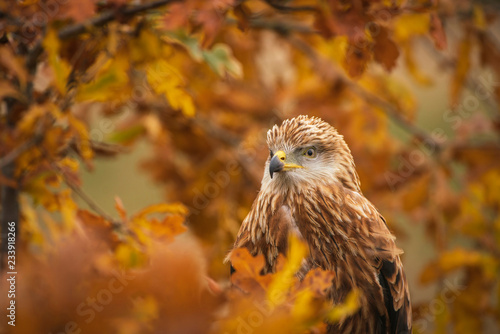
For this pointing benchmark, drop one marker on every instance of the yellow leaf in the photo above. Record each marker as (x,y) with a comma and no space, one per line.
(166,80)
(146,47)
(83,142)
(60,67)
(408,25)
(181,100)
(479,18)
(27,123)
(128,256)
(173,208)
(69,163)
(146,308)
(67,208)
(442,318)
(335,48)
(14,64)
(111,83)
(285,278)
(302,310)
(349,307)
(459,258)
(30,224)
(461,70)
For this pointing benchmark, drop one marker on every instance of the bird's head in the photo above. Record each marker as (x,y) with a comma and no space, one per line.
(307,150)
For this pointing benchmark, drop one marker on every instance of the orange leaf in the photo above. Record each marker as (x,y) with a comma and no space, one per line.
(119,207)
(174,208)
(385,51)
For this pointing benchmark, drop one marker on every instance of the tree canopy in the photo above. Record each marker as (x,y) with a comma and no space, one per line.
(413,86)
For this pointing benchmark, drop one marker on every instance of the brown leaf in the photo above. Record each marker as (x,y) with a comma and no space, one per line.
(385,51)
(417,193)
(357,57)
(78,11)
(13,64)
(437,32)
(461,69)
(6,89)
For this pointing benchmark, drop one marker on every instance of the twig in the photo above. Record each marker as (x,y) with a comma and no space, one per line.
(86,198)
(12,155)
(281,27)
(96,22)
(36,139)
(394,114)
(284,8)
(109,16)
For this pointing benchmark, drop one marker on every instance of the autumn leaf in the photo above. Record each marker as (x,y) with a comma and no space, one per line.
(456,259)
(83,138)
(60,67)
(350,306)
(408,25)
(78,12)
(120,208)
(165,79)
(284,279)
(385,51)
(13,64)
(245,263)
(112,82)
(462,68)
(174,208)
(129,256)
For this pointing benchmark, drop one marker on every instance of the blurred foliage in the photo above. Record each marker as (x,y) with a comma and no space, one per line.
(201,82)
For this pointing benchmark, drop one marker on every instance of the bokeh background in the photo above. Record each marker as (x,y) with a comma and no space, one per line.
(113,109)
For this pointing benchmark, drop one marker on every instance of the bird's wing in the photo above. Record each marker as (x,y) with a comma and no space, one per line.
(374,242)
(392,279)
(396,295)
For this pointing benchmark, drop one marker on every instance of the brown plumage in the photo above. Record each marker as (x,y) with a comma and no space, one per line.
(310,187)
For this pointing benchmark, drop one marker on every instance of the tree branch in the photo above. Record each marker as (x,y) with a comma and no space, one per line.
(122,13)
(278,6)
(87,199)
(393,112)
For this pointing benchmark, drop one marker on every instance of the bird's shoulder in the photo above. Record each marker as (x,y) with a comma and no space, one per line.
(364,233)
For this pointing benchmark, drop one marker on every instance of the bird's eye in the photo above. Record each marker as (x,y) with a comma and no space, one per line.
(310,152)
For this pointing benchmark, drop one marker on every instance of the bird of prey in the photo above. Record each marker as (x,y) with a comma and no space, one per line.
(311,188)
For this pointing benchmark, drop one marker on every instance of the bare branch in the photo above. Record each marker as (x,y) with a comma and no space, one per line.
(121,13)
(87,199)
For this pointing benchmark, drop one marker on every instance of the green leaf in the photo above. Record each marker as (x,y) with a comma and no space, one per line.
(221,60)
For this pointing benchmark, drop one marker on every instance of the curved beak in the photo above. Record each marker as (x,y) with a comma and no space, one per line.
(278,163)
